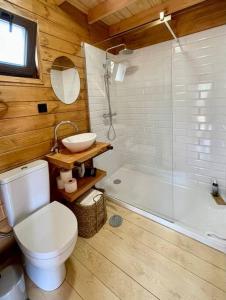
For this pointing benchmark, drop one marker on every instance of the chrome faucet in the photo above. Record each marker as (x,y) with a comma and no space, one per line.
(55,147)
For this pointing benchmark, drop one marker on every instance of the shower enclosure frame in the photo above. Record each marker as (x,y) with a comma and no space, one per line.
(173,224)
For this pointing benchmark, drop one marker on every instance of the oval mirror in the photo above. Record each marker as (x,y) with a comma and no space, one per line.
(65,80)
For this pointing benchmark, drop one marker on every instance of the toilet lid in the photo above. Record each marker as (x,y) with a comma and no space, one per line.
(47,232)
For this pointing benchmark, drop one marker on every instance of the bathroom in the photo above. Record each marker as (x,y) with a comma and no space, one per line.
(149,83)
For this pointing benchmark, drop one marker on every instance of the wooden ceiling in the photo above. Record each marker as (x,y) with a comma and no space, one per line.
(116,18)
(129,10)
(123,15)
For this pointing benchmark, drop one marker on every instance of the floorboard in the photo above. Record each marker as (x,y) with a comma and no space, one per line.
(141,259)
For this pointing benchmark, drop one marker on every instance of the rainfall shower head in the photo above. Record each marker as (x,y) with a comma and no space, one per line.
(126,51)
(113,68)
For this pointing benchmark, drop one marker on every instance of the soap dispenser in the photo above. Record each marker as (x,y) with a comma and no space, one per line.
(215,188)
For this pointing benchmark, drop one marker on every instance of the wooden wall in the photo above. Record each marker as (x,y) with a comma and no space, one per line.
(25,134)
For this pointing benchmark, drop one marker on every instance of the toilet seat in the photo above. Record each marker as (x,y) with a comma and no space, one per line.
(48,232)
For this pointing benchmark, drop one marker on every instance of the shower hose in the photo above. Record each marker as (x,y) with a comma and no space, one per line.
(111,134)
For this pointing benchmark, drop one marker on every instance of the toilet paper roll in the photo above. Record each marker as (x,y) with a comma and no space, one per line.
(65,175)
(60,183)
(71,185)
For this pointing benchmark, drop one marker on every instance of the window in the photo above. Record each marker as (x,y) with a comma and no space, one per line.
(17,46)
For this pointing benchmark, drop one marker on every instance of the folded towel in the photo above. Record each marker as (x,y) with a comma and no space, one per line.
(91,198)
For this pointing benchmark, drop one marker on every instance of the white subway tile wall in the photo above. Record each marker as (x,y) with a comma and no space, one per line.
(95,59)
(143,105)
(199,108)
(171,109)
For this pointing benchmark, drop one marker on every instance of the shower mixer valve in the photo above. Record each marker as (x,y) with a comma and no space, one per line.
(105,116)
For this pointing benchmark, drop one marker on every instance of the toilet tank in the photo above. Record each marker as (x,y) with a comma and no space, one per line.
(24,190)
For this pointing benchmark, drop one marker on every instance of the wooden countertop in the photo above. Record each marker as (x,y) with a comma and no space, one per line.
(68,160)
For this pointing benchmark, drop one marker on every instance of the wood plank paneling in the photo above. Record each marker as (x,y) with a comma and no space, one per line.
(17,125)
(17,157)
(23,109)
(51,54)
(26,135)
(29,138)
(30,93)
(55,15)
(97,31)
(58,44)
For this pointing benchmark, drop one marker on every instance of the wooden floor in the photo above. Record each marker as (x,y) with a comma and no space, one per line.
(140,260)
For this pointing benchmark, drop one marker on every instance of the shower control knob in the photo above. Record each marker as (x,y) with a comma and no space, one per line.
(109,115)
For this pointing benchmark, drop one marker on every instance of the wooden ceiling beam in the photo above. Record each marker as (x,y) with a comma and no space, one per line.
(59,2)
(79,5)
(106,8)
(151,14)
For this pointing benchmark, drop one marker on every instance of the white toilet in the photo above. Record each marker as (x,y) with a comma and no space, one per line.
(46,232)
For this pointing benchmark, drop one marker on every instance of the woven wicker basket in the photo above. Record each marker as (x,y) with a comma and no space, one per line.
(90,218)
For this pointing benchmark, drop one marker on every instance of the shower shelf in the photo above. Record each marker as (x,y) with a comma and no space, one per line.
(219,200)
